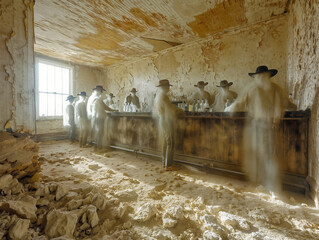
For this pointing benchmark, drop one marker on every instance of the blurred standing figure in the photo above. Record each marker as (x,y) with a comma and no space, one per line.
(97,92)
(82,118)
(132,99)
(265,103)
(109,100)
(167,116)
(68,117)
(225,97)
(98,113)
(201,94)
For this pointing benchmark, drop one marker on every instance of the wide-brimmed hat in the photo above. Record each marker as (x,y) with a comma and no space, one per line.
(263,69)
(163,82)
(99,87)
(70,97)
(224,83)
(133,90)
(201,83)
(83,94)
(111,95)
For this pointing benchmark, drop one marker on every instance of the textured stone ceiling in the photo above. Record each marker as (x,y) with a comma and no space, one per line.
(104,32)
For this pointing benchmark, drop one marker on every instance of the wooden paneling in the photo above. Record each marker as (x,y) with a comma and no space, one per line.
(215,139)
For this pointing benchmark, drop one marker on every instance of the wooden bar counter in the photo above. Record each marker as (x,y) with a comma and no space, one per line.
(214,141)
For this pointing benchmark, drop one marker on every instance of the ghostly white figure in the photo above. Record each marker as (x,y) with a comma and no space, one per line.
(166,113)
(201,94)
(82,118)
(109,100)
(132,99)
(224,97)
(68,117)
(97,92)
(98,115)
(265,103)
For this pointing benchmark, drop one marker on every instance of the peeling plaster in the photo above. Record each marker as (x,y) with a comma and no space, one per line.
(230,55)
(104,33)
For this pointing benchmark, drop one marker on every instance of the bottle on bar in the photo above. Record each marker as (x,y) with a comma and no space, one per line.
(194,105)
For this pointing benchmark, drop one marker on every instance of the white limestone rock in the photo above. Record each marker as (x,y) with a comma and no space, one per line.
(19,230)
(74,204)
(8,184)
(42,191)
(145,212)
(209,235)
(92,216)
(126,195)
(43,202)
(99,201)
(60,223)
(61,191)
(24,208)
(169,222)
(231,220)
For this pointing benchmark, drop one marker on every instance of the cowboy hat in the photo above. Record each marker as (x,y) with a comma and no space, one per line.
(133,90)
(99,87)
(163,82)
(224,83)
(263,69)
(82,94)
(70,97)
(201,83)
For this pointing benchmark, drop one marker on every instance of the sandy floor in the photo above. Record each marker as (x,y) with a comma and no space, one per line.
(198,205)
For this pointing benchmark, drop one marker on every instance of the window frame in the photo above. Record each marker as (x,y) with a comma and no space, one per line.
(56,64)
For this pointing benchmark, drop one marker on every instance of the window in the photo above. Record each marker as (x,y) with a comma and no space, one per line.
(53,87)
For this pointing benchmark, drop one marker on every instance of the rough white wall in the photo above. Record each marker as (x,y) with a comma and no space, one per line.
(17,65)
(229,55)
(84,79)
(303,67)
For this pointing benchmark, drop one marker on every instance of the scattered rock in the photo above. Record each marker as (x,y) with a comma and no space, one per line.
(24,208)
(145,212)
(92,216)
(126,195)
(99,201)
(60,223)
(236,222)
(43,202)
(19,230)
(61,191)
(209,235)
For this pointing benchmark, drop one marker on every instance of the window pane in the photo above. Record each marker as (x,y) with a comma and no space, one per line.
(66,80)
(59,105)
(51,104)
(43,105)
(43,81)
(54,87)
(58,80)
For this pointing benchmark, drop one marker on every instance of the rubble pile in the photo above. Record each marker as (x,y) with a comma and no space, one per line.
(73,201)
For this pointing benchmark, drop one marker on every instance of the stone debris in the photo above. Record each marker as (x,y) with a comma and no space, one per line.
(145,212)
(18,156)
(92,216)
(19,230)
(126,195)
(60,223)
(233,221)
(61,191)
(24,208)
(209,235)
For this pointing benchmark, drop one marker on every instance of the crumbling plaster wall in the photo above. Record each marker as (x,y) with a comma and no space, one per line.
(228,55)
(84,79)
(303,77)
(16,65)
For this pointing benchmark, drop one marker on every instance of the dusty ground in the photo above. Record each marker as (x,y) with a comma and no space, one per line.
(198,205)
